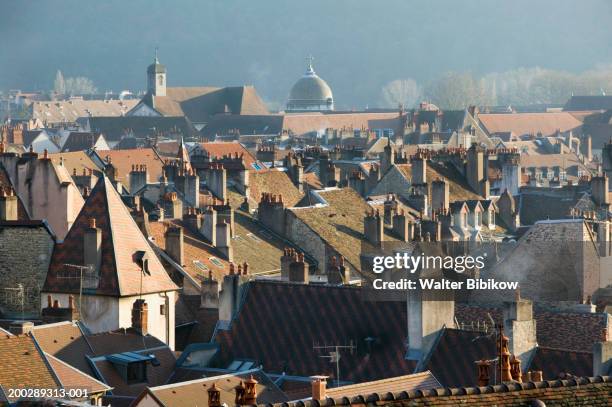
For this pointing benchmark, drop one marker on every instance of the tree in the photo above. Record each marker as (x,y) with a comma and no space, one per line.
(453,91)
(80,85)
(59,85)
(401,91)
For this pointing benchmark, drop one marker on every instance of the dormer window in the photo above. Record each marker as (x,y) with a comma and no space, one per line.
(132,366)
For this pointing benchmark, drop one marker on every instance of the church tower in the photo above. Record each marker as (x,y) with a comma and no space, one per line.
(156,78)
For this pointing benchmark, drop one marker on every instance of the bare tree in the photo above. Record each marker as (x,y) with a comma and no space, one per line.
(453,91)
(401,91)
(80,86)
(59,85)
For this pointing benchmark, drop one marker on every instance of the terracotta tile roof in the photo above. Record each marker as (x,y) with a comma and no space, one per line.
(200,104)
(275,182)
(78,160)
(301,123)
(120,275)
(219,149)
(529,123)
(596,391)
(412,382)
(124,159)
(184,394)
(458,188)
(278,324)
(56,112)
(72,378)
(24,365)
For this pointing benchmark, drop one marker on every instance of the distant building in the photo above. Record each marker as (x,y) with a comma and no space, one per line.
(310,93)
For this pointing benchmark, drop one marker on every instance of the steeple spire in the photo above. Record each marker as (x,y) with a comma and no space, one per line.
(156,57)
(309,68)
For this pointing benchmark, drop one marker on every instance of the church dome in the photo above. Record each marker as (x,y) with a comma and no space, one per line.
(310,93)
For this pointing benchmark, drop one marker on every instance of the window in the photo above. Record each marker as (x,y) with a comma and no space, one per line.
(216,261)
(162,309)
(200,265)
(136,372)
(255,238)
(161,80)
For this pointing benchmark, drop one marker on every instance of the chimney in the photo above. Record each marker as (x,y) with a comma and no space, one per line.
(224,240)
(209,294)
(299,270)
(142,220)
(504,357)
(193,220)
(173,207)
(214,396)
(139,177)
(21,327)
(55,313)
(373,228)
(240,391)
(520,327)
(401,227)
(231,293)
(319,387)
(8,204)
(428,312)
(390,207)
(536,376)
(515,369)
(209,223)
(217,180)
(250,391)
(419,169)
(271,212)
(600,190)
(225,212)
(140,311)
(587,148)
(338,273)
(484,372)
(288,257)
(174,244)
(602,356)
(92,246)
(440,195)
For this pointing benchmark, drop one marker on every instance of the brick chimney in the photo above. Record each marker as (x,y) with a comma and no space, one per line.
(142,220)
(138,178)
(250,391)
(214,396)
(209,225)
(299,270)
(224,240)
(440,195)
(140,315)
(92,246)
(288,257)
(373,228)
(240,394)
(8,204)
(520,327)
(319,387)
(484,372)
(174,244)
(337,272)
(53,312)
(209,293)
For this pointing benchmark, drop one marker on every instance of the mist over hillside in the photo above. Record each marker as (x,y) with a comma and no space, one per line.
(359,46)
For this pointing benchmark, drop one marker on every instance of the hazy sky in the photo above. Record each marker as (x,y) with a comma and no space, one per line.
(358,45)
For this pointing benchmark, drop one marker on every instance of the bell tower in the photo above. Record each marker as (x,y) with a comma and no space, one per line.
(156,78)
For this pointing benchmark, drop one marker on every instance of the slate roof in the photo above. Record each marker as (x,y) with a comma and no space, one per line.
(529,123)
(582,103)
(294,317)
(114,128)
(275,182)
(243,124)
(220,149)
(554,203)
(78,160)
(458,188)
(120,275)
(79,141)
(555,362)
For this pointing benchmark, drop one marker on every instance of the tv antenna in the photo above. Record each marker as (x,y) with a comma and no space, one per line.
(84,274)
(334,355)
